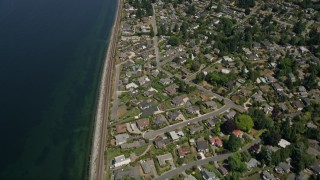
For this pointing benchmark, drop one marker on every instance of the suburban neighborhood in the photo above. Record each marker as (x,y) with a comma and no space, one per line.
(216,90)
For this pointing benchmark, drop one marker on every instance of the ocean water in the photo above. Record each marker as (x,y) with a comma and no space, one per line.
(51,56)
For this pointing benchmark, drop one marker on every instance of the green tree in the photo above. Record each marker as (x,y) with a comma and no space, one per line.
(234,143)
(265,155)
(173,41)
(236,164)
(299,27)
(244,122)
(199,78)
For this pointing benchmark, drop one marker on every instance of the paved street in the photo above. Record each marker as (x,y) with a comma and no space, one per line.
(181,169)
(153,134)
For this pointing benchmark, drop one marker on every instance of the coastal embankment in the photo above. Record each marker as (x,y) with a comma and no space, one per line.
(97,164)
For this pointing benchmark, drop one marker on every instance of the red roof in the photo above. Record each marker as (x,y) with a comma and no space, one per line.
(121,128)
(183,151)
(142,123)
(237,133)
(216,141)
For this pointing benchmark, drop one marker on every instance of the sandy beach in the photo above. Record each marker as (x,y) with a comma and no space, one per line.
(97,164)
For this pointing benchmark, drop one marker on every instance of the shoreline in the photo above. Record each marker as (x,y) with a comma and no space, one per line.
(97,164)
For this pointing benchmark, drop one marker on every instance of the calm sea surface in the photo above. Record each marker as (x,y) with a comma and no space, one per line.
(51,53)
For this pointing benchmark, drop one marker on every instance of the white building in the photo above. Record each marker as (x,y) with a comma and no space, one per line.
(120,161)
(131,86)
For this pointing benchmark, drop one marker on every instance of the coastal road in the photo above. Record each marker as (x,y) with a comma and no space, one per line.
(151,135)
(183,168)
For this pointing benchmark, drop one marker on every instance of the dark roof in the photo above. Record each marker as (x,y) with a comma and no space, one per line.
(223,170)
(159,119)
(202,145)
(160,142)
(127,172)
(149,111)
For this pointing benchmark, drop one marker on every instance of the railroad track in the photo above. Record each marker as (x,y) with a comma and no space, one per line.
(97,172)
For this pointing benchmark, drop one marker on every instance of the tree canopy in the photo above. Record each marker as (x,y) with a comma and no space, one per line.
(234,143)
(244,122)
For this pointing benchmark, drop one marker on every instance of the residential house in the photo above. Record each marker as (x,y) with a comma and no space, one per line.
(165,81)
(265,175)
(216,141)
(195,129)
(122,138)
(238,133)
(143,80)
(212,122)
(131,86)
(202,146)
(183,151)
(298,105)
(316,168)
(175,65)
(124,173)
(223,170)
(230,85)
(277,87)
(147,165)
(120,161)
(142,123)
(207,175)
(155,72)
(211,105)
(227,59)
(159,120)
(146,104)
(282,168)
(161,142)
(193,109)
(252,164)
(292,77)
(208,57)
(163,158)
(175,116)
(176,135)
(283,143)
(171,89)
(150,111)
(306,101)
(149,93)
(180,100)
(134,144)
(231,114)
(121,128)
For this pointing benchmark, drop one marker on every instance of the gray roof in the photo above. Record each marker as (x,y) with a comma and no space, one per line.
(150,111)
(126,172)
(316,167)
(121,138)
(207,174)
(147,165)
(163,158)
(252,163)
(202,145)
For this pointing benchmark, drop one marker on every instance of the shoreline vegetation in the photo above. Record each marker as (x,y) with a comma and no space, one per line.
(96,167)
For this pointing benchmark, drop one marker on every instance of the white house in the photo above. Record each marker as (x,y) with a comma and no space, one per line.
(131,86)
(120,161)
